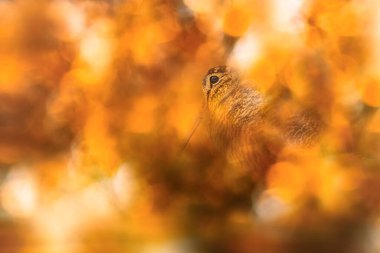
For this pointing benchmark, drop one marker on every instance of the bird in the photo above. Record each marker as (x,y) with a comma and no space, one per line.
(252,127)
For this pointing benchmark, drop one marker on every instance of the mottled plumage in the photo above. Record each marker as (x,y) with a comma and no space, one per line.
(248,125)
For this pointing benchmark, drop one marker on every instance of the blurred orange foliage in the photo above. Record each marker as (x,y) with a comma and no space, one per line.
(97,98)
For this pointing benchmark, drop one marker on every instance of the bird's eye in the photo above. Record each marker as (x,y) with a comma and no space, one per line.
(214,79)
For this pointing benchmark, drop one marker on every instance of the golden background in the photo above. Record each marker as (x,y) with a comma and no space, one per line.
(98,97)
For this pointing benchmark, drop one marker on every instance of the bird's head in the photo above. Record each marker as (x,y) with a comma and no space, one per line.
(218,83)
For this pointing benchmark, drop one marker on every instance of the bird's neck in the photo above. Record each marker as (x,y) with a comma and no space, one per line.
(240,107)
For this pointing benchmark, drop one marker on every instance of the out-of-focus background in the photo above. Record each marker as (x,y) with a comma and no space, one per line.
(98,97)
